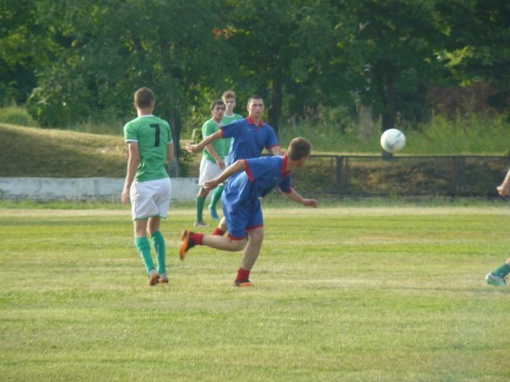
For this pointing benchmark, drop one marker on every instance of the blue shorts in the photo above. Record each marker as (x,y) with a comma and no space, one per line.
(240,218)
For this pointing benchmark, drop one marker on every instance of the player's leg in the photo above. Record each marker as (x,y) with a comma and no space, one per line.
(158,243)
(215,197)
(250,255)
(236,240)
(144,249)
(497,276)
(190,239)
(142,206)
(162,201)
(199,203)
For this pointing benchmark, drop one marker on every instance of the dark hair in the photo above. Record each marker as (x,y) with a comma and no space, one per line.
(252,98)
(144,97)
(299,148)
(217,102)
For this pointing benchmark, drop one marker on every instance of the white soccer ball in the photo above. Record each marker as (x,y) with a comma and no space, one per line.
(393,140)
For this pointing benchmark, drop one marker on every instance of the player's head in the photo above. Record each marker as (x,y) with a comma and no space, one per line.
(218,103)
(217,110)
(255,105)
(299,148)
(229,97)
(144,98)
(228,94)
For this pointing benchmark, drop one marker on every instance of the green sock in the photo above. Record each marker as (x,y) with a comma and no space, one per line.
(158,242)
(144,249)
(216,196)
(502,271)
(200,207)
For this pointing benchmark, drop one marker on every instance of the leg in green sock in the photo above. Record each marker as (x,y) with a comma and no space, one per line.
(158,242)
(200,201)
(216,196)
(144,249)
(502,271)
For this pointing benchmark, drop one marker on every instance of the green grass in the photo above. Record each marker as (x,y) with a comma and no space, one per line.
(343,293)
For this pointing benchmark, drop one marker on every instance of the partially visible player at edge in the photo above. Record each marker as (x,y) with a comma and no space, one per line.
(497,276)
(147,184)
(229,98)
(249,137)
(249,179)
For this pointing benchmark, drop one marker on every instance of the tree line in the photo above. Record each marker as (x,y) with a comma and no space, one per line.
(74,60)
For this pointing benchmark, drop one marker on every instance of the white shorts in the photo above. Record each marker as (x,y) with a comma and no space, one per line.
(208,171)
(150,199)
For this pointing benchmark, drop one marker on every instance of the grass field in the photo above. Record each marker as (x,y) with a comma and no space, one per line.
(343,293)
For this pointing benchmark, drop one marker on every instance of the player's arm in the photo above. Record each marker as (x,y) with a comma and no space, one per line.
(234,168)
(206,141)
(169,153)
(294,196)
(504,188)
(275,150)
(210,149)
(132,165)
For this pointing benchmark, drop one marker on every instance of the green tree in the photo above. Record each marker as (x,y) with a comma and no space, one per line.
(116,46)
(476,43)
(398,41)
(25,46)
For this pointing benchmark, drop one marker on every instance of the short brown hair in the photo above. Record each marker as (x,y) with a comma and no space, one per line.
(228,94)
(299,148)
(144,97)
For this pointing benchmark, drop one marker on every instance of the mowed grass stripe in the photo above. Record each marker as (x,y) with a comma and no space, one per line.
(349,294)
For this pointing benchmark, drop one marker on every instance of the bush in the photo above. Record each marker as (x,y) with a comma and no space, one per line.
(16,115)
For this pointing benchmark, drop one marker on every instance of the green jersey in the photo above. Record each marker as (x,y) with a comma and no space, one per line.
(209,128)
(153,136)
(226,141)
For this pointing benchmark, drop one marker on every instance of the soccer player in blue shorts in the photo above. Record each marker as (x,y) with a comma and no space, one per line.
(147,184)
(250,179)
(249,137)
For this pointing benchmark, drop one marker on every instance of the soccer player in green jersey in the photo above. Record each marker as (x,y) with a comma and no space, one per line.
(229,97)
(498,275)
(147,184)
(212,163)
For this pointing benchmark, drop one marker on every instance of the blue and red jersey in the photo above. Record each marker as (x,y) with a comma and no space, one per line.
(248,139)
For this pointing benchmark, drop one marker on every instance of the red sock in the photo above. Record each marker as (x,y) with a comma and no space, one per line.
(242,274)
(217,232)
(197,238)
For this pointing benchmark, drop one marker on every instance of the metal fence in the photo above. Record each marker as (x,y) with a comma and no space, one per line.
(363,176)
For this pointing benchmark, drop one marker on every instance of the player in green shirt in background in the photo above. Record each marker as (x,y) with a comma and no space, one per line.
(229,97)
(212,162)
(147,184)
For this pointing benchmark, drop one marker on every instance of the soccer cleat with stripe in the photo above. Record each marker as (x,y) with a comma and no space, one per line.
(186,243)
(243,283)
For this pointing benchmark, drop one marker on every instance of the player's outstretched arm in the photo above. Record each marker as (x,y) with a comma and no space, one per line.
(239,165)
(504,188)
(294,196)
